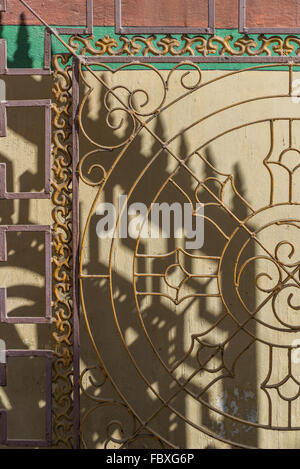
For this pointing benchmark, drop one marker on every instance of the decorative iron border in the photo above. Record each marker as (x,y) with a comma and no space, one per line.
(243,28)
(210,29)
(171,49)
(65,412)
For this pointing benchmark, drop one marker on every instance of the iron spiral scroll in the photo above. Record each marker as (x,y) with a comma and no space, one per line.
(249,329)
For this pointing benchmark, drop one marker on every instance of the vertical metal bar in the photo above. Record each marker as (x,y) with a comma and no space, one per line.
(242,16)
(3,56)
(3,5)
(47,50)
(48,276)
(3,119)
(3,374)
(48,118)
(291,75)
(2,194)
(3,426)
(48,430)
(3,305)
(211,16)
(118,15)
(3,242)
(89,16)
(75,248)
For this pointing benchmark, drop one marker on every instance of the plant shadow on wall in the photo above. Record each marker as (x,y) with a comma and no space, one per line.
(23,274)
(175,330)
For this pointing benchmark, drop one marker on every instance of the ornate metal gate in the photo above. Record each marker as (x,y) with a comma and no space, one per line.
(188,348)
(216,361)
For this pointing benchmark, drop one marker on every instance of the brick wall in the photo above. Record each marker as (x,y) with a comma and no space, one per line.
(260,13)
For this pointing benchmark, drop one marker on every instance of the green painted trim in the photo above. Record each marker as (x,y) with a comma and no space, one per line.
(26,45)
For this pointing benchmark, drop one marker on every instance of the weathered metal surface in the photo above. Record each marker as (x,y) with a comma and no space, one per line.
(216,49)
(63,410)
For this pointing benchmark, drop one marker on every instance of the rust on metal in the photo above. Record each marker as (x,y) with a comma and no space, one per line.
(63,429)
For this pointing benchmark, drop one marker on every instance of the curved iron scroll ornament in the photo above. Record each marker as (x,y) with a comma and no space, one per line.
(246,236)
(212,47)
(247,230)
